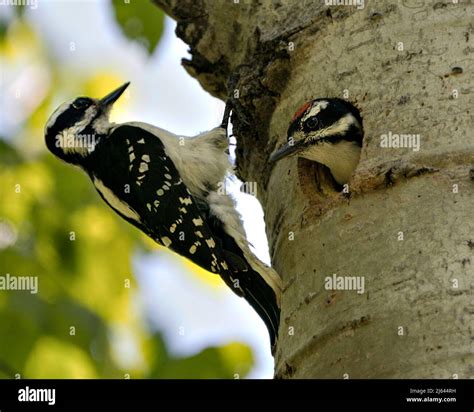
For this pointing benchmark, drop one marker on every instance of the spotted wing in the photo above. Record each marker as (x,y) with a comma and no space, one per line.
(150,185)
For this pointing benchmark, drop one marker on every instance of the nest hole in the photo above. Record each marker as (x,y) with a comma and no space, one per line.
(316,180)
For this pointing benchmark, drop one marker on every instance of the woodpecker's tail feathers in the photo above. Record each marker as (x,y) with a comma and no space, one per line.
(260,284)
(263,300)
(250,285)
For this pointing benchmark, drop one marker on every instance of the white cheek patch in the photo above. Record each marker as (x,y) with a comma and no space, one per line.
(114,202)
(343,124)
(72,142)
(316,109)
(340,127)
(89,115)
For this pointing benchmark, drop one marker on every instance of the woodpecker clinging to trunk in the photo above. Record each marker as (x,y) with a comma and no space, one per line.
(328,131)
(168,188)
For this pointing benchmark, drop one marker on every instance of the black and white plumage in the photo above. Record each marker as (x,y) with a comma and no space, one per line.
(328,131)
(168,187)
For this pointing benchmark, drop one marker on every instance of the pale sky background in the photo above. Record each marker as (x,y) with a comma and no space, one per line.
(161,93)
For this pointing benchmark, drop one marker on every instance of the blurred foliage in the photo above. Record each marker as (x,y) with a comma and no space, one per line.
(53,225)
(140,20)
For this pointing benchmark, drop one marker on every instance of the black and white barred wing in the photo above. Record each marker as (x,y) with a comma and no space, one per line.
(166,210)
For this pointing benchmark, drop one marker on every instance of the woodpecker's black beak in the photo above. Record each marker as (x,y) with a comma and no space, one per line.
(112,97)
(287,149)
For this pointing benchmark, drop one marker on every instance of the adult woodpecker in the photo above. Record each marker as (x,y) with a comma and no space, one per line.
(168,187)
(328,131)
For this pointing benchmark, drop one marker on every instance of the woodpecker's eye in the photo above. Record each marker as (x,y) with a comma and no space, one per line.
(312,123)
(81,103)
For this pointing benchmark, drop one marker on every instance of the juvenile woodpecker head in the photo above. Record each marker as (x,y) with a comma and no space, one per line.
(328,131)
(76,127)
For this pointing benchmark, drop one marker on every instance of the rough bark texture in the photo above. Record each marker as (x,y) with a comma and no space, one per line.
(412,321)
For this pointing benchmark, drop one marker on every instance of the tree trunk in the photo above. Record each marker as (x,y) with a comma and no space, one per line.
(406,227)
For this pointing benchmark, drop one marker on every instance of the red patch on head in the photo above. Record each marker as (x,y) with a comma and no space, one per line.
(300,111)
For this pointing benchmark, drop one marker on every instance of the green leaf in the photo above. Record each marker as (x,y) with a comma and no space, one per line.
(9,155)
(223,362)
(140,21)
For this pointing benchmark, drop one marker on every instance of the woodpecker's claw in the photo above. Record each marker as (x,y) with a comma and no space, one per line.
(226,117)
